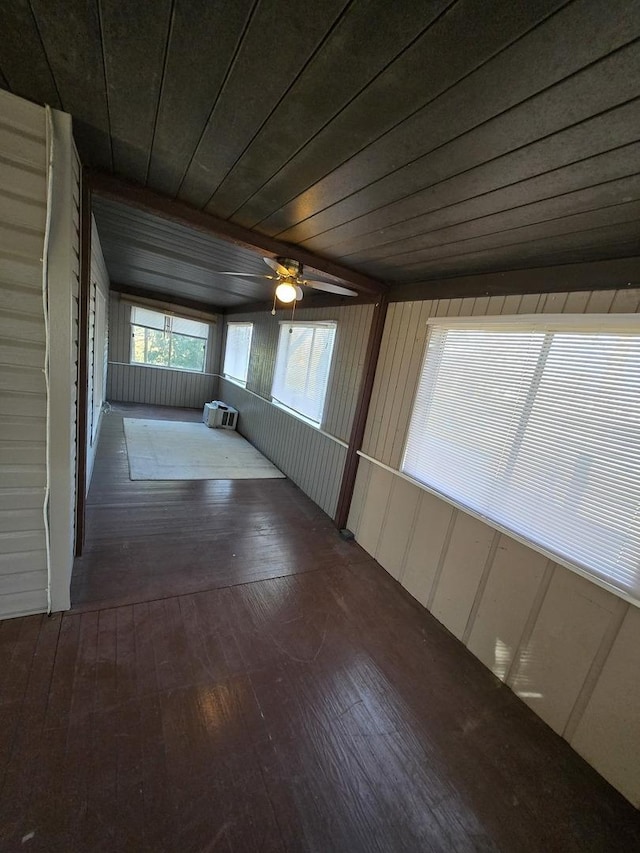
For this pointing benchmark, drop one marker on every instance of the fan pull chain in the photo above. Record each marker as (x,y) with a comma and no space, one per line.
(293,309)
(273,310)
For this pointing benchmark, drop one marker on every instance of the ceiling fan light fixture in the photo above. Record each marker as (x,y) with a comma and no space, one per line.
(286,292)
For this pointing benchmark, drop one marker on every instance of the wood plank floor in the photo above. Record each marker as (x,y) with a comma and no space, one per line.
(154,539)
(319,710)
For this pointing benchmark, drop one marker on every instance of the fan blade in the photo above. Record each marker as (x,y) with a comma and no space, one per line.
(328,287)
(246,275)
(273,263)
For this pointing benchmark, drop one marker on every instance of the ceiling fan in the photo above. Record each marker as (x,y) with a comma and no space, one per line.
(290,281)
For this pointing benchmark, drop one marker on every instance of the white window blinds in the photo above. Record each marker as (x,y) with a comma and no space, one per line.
(302,367)
(149,319)
(237,350)
(534,423)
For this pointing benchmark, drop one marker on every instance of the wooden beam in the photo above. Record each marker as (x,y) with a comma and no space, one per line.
(616,273)
(83,362)
(362,410)
(162,299)
(327,300)
(142,198)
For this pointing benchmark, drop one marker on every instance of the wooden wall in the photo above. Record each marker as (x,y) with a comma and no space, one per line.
(97,355)
(309,457)
(63,289)
(567,647)
(134,383)
(313,458)
(25,583)
(23,567)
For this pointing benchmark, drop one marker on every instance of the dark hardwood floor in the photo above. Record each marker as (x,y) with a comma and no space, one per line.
(154,539)
(302,702)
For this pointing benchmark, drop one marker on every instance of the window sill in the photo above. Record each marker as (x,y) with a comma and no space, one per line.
(297,415)
(163,367)
(234,381)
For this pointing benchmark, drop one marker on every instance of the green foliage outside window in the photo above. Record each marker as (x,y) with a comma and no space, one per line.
(167,348)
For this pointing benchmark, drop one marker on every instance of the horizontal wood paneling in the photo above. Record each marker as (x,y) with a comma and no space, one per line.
(565,646)
(313,460)
(133,383)
(353,323)
(23,571)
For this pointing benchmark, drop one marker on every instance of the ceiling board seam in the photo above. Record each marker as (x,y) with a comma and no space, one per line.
(310,59)
(46,56)
(161,89)
(180,279)
(133,195)
(106,82)
(466,132)
(464,171)
(435,210)
(234,59)
(515,227)
(526,242)
(417,110)
(407,47)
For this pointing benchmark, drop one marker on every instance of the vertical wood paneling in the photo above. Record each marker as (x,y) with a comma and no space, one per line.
(374,509)
(516,574)
(610,725)
(461,571)
(398,522)
(313,461)
(551,634)
(353,323)
(63,270)
(360,491)
(97,349)
(23,571)
(427,546)
(554,661)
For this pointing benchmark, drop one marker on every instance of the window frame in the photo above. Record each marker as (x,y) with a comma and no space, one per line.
(603,323)
(312,324)
(228,376)
(168,316)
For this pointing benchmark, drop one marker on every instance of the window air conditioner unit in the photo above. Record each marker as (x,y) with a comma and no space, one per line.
(218,415)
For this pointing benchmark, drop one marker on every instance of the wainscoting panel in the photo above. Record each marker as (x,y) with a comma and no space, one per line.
(548,633)
(309,457)
(567,647)
(135,383)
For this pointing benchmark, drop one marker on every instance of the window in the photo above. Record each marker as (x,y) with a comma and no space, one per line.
(302,367)
(163,340)
(237,350)
(534,423)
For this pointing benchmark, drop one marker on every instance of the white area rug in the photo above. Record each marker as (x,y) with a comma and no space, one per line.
(176,450)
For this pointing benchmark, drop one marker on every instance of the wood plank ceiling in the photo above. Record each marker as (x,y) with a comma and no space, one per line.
(411,141)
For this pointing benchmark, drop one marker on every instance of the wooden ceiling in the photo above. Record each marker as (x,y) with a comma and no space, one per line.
(412,140)
(151,255)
